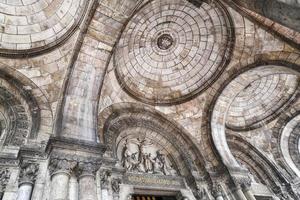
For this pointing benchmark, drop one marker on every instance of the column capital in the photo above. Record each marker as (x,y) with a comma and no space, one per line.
(63,165)
(28,173)
(86,168)
(216,190)
(241,183)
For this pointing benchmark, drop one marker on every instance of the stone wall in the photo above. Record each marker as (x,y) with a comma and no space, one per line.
(101,100)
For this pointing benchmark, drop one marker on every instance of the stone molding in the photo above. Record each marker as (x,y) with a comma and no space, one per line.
(74,144)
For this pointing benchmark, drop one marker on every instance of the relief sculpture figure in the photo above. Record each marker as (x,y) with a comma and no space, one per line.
(142,161)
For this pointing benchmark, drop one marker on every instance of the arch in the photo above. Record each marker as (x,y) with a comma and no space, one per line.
(21,91)
(283,136)
(224,101)
(115,119)
(261,167)
(214,133)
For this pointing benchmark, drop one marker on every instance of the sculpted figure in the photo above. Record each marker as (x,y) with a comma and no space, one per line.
(158,165)
(142,162)
(115,184)
(148,164)
(127,159)
(165,167)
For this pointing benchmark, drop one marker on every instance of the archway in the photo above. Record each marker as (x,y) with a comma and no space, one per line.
(137,134)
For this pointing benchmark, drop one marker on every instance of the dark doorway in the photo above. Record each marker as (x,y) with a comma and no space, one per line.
(152,197)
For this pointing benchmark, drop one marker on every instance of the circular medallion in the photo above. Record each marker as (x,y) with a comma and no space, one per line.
(165,41)
(171,50)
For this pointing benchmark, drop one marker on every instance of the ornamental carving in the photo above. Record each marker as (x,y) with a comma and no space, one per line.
(115,185)
(87,168)
(4,177)
(142,156)
(244,182)
(28,172)
(104,178)
(217,190)
(201,193)
(63,165)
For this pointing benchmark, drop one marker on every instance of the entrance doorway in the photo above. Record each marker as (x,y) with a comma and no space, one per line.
(152,197)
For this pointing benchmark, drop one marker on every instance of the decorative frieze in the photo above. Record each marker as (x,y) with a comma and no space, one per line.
(157,180)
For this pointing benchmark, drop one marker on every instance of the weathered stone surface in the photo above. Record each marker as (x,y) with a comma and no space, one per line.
(105,100)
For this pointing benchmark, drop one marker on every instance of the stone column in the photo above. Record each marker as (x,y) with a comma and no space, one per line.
(238,193)
(60,170)
(27,179)
(4,177)
(217,192)
(248,191)
(104,179)
(87,184)
(73,188)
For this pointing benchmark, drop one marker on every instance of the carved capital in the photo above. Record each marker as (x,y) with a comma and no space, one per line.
(61,165)
(4,178)
(28,173)
(216,190)
(201,193)
(115,185)
(241,182)
(87,168)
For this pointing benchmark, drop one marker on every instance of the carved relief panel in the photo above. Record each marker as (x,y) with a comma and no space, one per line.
(143,155)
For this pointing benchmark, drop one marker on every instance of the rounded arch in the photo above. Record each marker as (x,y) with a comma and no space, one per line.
(214,118)
(120,117)
(285,140)
(21,96)
(260,166)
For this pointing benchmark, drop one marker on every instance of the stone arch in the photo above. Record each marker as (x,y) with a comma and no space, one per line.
(34,27)
(220,147)
(27,106)
(118,117)
(285,141)
(260,166)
